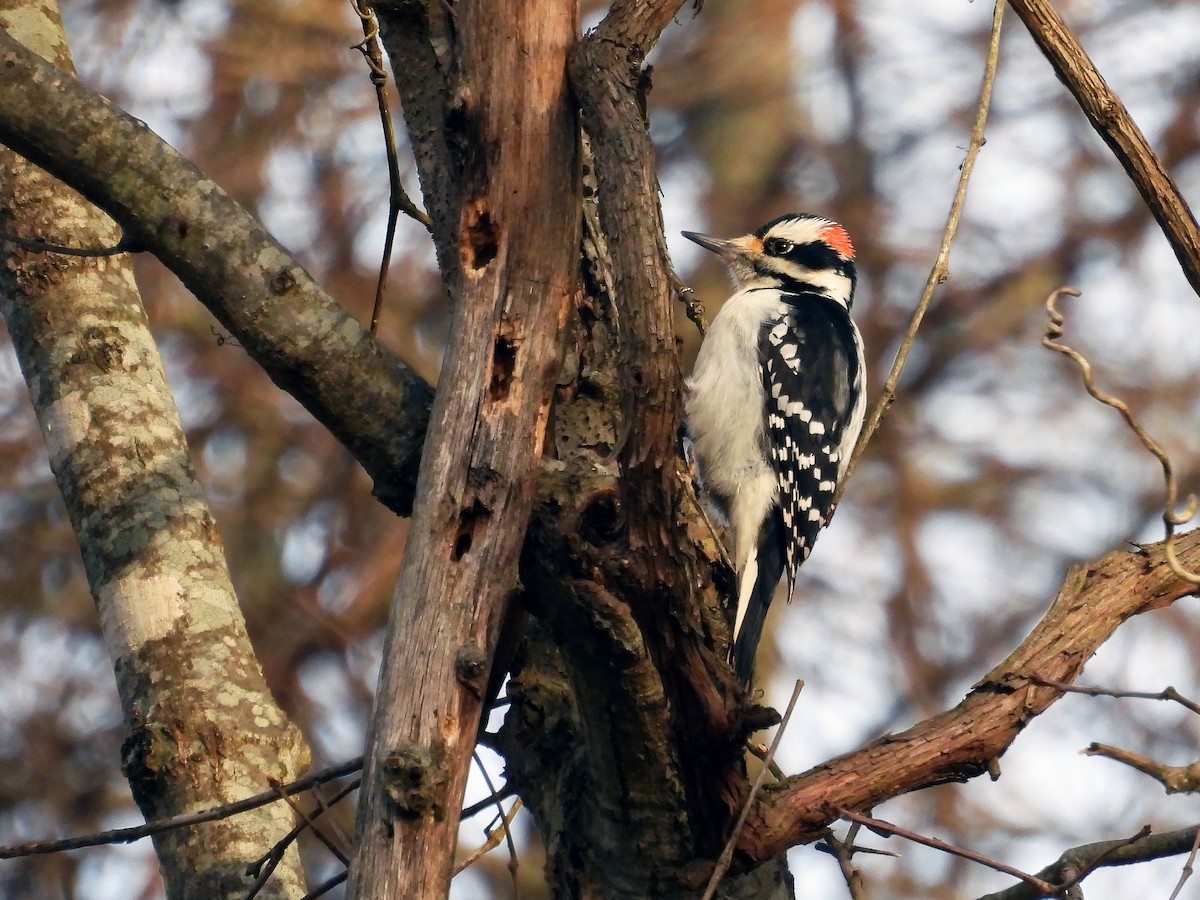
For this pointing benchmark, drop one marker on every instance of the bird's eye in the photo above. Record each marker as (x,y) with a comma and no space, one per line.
(778,247)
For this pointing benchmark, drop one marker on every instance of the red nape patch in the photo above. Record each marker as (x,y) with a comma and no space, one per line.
(837,238)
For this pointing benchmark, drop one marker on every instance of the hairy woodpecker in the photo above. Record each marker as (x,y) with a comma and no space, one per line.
(775,402)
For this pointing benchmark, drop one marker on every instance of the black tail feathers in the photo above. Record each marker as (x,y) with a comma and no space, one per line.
(771,556)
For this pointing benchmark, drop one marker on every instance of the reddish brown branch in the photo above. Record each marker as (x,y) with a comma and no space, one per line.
(887,829)
(1112,122)
(959,743)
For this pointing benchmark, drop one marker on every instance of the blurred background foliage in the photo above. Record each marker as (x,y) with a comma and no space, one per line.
(992,473)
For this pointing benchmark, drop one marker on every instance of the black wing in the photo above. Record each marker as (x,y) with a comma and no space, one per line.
(809,366)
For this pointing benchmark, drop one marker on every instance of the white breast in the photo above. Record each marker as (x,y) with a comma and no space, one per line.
(724,408)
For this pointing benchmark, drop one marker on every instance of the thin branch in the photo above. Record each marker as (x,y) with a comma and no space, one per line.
(761,752)
(1186,873)
(1100,858)
(726,856)
(1174,779)
(843,852)
(504,828)
(310,821)
(1171,517)
(398,199)
(1111,120)
(126,835)
(326,886)
(1167,693)
(956,745)
(692,304)
(1103,854)
(499,833)
(476,808)
(263,867)
(886,829)
(124,245)
(941,266)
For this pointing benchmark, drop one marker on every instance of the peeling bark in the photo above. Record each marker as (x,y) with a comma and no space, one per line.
(512,141)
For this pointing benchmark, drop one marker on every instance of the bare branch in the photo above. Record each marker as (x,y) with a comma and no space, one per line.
(122,246)
(726,856)
(326,886)
(499,833)
(941,266)
(1171,517)
(886,829)
(1112,122)
(398,199)
(262,868)
(957,744)
(1167,693)
(503,830)
(310,821)
(1102,854)
(308,344)
(136,833)
(1186,873)
(843,852)
(1174,779)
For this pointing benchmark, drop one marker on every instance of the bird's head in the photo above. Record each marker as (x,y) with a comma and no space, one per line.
(797,253)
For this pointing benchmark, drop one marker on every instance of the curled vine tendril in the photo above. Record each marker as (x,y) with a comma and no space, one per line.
(1171,516)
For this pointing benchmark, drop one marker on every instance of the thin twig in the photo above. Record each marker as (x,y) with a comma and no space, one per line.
(1170,516)
(263,867)
(879,826)
(1174,779)
(843,852)
(476,808)
(1101,858)
(941,266)
(310,821)
(726,856)
(326,886)
(1167,693)
(324,806)
(759,751)
(124,245)
(1124,852)
(126,835)
(692,304)
(505,829)
(497,834)
(1186,872)
(398,199)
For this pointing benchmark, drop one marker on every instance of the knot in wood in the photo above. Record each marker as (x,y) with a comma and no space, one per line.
(414,782)
(471,669)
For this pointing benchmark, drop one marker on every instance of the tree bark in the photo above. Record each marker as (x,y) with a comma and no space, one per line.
(307,343)
(956,745)
(513,128)
(1111,120)
(201,726)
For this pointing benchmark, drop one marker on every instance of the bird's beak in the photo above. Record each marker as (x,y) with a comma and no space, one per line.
(729,250)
